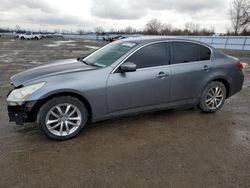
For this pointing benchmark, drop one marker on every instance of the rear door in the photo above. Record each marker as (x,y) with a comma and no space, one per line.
(148,85)
(191,63)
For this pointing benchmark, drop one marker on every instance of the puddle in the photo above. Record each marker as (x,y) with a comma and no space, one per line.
(71,44)
(3,56)
(92,47)
(8,60)
(241,138)
(60,43)
(52,45)
(35,63)
(5,43)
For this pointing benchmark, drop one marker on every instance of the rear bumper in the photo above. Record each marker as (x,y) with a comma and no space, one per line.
(236,84)
(22,113)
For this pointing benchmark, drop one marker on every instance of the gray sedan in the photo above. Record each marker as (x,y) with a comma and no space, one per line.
(124,77)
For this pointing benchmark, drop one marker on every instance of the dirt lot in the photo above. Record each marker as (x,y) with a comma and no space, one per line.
(181,148)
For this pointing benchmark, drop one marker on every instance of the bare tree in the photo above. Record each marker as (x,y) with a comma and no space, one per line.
(81,32)
(240,15)
(166,29)
(98,30)
(153,27)
(18,29)
(191,27)
(128,30)
(112,31)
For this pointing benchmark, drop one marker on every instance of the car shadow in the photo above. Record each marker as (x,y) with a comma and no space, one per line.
(138,120)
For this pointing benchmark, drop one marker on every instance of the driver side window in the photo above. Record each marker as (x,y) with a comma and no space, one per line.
(152,55)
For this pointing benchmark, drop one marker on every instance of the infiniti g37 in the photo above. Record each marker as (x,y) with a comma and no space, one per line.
(125,77)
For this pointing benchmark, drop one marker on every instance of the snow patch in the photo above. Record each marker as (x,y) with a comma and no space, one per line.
(92,47)
(60,43)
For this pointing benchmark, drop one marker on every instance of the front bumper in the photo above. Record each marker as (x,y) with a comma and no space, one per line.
(22,113)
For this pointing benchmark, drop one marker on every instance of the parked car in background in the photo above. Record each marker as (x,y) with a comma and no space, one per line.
(124,77)
(30,36)
(112,39)
(52,35)
(117,38)
(106,38)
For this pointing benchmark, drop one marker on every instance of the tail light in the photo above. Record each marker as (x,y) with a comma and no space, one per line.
(240,66)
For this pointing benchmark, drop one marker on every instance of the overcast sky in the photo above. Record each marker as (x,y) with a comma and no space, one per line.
(116,14)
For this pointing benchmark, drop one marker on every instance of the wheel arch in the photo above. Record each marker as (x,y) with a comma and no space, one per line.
(226,84)
(222,80)
(36,108)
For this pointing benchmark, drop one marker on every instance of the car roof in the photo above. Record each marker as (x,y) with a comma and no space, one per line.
(141,40)
(149,39)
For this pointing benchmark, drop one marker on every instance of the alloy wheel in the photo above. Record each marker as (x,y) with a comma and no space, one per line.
(63,119)
(215,97)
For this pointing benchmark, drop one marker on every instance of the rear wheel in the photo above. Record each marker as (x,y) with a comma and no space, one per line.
(62,118)
(213,97)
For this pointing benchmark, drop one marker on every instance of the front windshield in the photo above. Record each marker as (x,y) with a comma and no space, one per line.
(109,54)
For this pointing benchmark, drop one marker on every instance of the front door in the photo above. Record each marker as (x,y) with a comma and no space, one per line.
(149,85)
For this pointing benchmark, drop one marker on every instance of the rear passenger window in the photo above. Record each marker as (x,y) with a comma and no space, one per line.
(184,52)
(151,56)
(205,53)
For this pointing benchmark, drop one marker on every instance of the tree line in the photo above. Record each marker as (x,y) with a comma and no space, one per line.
(156,27)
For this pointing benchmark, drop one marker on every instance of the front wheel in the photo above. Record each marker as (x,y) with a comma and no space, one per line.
(62,117)
(213,97)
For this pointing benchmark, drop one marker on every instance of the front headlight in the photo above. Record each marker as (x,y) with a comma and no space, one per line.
(20,95)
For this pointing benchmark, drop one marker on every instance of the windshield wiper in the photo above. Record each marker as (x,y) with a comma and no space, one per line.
(81,59)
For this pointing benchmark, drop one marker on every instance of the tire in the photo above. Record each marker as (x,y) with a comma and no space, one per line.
(65,124)
(213,97)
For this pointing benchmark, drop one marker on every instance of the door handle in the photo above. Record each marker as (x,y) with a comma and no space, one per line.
(206,68)
(162,75)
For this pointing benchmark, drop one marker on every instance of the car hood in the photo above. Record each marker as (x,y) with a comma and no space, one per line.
(59,67)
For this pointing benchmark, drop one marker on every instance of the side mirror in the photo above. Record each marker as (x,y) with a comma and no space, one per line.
(128,67)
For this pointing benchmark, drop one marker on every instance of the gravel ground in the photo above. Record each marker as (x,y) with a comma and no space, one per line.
(181,148)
